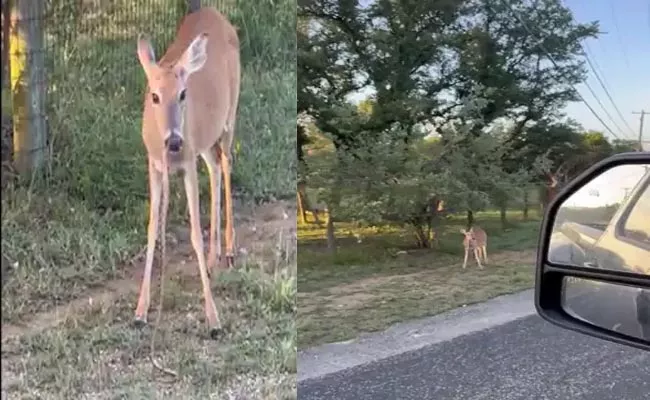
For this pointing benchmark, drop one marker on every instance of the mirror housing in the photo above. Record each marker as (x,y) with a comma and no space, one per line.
(552,275)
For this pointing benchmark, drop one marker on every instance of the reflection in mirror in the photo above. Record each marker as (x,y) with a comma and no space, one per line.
(619,308)
(605,224)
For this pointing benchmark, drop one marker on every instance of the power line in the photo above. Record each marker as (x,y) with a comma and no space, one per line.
(593,93)
(594,69)
(550,57)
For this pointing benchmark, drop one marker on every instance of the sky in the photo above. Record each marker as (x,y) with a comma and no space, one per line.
(621,56)
(608,188)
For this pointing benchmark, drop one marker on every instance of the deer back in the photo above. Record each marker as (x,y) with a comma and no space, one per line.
(479,236)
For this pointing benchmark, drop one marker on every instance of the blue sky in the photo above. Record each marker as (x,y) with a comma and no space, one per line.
(622,56)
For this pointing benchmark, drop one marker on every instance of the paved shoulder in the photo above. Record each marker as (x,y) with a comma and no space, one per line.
(409,336)
(524,359)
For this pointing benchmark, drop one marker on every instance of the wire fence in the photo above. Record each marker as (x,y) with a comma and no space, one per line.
(56,51)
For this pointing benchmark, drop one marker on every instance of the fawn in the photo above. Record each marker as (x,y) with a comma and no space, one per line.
(475,240)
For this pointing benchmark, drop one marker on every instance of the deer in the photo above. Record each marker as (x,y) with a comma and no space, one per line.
(475,240)
(190,107)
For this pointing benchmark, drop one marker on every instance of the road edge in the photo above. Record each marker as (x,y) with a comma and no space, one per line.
(326,359)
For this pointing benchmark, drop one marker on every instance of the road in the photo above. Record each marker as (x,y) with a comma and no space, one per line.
(524,358)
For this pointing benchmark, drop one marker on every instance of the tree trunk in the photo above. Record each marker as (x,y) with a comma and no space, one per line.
(526,205)
(421,236)
(542,198)
(331,238)
(301,141)
(503,214)
(552,186)
(303,203)
(470,219)
(301,208)
(6,24)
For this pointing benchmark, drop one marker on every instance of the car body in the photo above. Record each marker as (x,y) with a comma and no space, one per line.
(593,270)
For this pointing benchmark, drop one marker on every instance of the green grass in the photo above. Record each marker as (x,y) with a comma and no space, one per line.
(371,285)
(72,230)
(97,352)
(355,260)
(89,213)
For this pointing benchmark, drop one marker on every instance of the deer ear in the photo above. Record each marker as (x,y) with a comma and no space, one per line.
(463,231)
(195,55)
(146,54)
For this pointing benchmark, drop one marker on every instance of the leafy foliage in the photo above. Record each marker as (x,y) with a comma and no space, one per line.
(488,78)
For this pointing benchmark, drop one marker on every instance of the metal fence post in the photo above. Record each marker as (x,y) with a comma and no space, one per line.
(193,5)
(27,64)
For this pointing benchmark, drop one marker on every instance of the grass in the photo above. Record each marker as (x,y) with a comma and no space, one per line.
(97,352)
(371,285)
(69,232)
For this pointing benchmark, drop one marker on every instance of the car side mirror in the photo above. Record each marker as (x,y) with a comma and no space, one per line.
(593,262)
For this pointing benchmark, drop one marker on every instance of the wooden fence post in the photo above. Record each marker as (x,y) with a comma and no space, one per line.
(28,86)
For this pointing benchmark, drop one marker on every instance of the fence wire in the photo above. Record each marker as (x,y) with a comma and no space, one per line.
(81,46)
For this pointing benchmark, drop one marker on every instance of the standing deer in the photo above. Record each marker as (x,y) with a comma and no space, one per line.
(475,240)
(190,107)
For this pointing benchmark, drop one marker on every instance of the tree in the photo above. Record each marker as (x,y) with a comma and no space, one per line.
(395,48)
(405,185)
(523,57)
(457,67)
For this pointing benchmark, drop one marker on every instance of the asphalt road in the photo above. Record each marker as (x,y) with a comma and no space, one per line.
(525,359)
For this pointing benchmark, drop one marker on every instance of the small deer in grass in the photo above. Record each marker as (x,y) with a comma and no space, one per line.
(190,107)
(475,240)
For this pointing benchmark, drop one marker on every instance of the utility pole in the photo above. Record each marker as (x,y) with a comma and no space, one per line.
(642,113)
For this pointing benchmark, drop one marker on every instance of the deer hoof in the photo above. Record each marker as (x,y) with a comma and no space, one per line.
(140,322)
(230,261)
(216,333)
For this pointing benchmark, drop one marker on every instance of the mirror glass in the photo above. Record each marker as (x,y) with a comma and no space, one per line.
(618,308)
(606,223)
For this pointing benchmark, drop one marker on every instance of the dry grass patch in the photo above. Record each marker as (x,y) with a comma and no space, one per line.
(372,285)
(372,304)
(88,348)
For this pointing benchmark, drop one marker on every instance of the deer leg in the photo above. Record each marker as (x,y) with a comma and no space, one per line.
(466,255)
(230,228)
(155,192)
(191,181)
(485,254)
(214,171)
(476,256)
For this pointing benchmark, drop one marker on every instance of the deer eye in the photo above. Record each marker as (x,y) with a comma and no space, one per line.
(182,95)
(155,98)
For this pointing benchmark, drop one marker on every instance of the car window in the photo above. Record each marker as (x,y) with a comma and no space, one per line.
(636,226)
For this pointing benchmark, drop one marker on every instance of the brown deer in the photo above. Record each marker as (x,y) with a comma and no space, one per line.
(190,107)
(475,240)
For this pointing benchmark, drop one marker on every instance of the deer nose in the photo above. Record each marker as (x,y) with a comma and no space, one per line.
(174,143)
